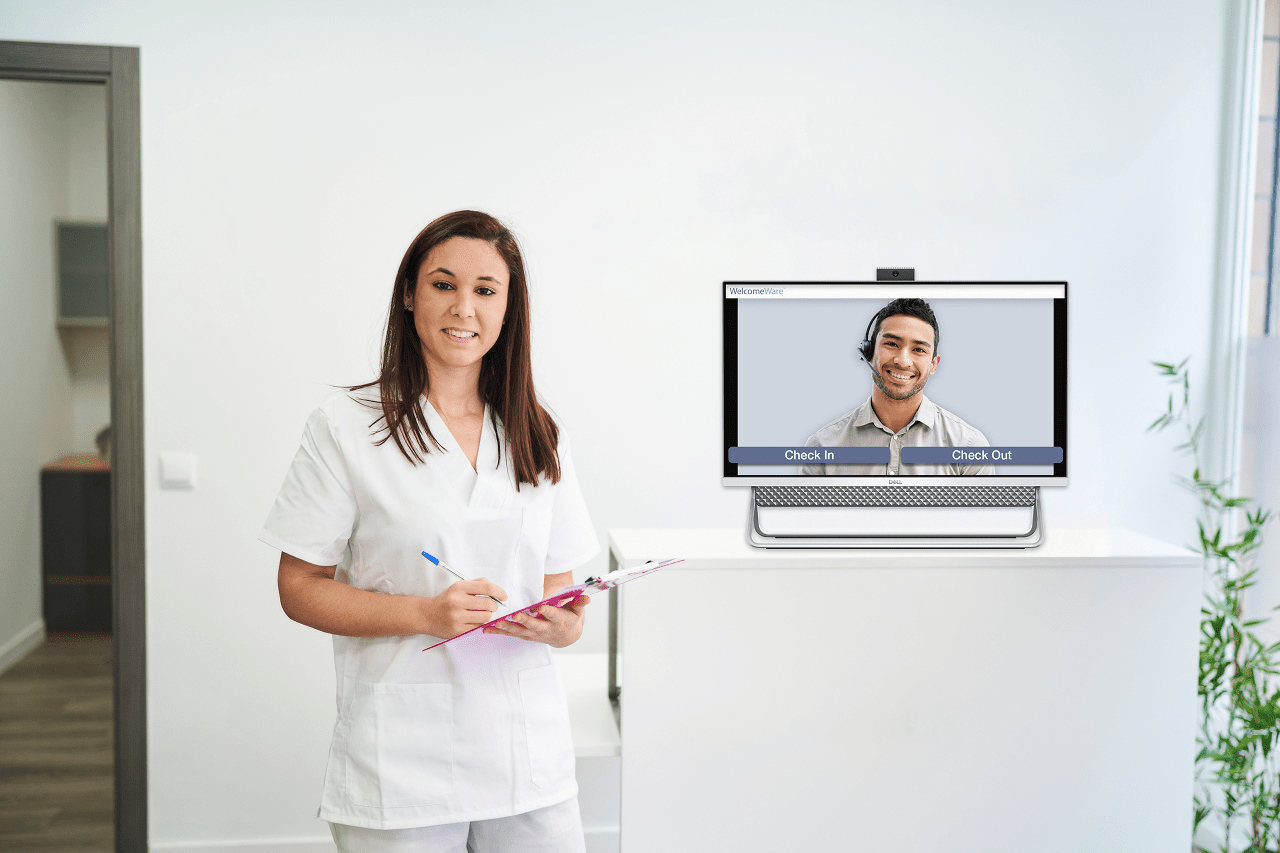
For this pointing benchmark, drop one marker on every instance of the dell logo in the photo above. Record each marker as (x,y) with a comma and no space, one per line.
(895,482)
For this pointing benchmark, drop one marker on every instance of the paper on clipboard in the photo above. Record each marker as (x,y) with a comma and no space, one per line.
(588,587)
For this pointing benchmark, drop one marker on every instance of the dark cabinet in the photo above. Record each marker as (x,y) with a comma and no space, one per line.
(75,520)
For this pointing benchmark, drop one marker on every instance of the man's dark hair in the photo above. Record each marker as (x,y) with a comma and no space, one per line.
(910,306)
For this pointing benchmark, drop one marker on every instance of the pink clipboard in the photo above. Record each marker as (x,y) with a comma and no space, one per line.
(588,587)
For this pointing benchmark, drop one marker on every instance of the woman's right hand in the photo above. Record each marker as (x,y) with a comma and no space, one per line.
(461,607)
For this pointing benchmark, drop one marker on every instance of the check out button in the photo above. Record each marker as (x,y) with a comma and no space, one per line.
(982,455)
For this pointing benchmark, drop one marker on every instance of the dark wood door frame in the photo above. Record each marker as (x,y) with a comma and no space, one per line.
(117,69)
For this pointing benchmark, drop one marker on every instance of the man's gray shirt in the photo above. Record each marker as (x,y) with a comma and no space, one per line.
(931,426)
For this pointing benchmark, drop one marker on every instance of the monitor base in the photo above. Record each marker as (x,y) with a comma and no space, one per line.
(895,527)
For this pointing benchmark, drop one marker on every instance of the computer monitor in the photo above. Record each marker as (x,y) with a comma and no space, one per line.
(895,384)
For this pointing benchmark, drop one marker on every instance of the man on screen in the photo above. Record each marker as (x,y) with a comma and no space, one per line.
(901,348)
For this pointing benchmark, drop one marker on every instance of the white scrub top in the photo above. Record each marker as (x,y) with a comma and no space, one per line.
(475,729)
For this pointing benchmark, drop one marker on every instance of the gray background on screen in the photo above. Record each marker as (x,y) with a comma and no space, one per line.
(798,369)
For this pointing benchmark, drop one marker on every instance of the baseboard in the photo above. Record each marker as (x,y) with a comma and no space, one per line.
(26,640)
(310,844)
(601,839)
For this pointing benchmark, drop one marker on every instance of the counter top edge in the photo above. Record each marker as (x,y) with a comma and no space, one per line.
(729,549)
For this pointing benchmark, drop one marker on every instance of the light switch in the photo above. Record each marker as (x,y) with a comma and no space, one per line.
(178,470)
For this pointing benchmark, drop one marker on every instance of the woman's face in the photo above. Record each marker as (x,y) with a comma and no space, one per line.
(459,302)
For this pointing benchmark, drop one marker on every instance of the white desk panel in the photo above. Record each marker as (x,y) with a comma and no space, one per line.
(908,701)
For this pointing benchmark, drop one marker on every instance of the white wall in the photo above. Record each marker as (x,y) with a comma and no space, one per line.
(52,165)
(644,153)
(88,362)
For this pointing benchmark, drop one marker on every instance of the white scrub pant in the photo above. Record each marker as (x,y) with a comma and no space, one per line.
(554,829)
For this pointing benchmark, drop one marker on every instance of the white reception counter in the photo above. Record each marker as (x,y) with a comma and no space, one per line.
(907,700)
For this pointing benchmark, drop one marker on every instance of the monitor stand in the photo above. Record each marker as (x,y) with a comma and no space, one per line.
(781,520)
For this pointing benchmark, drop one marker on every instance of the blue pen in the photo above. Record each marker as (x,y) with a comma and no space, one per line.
(442,564)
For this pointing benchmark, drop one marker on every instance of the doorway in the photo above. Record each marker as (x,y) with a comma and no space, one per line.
(115,70)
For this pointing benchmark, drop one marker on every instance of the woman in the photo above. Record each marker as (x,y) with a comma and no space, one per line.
(448,452)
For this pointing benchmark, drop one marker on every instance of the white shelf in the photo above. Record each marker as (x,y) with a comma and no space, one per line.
(586,679)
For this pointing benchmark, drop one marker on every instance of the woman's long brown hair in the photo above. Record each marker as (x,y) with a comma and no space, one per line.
(506,372)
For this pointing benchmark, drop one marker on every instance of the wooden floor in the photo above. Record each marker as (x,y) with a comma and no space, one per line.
(55,749)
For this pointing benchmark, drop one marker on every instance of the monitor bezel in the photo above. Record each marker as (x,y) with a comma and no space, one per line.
(729,395)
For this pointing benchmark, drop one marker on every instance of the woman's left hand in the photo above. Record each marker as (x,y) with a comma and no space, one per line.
(556,626)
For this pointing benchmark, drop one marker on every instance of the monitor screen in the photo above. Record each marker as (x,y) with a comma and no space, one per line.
(845,383)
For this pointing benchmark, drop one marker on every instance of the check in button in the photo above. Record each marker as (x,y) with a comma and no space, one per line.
(809,455)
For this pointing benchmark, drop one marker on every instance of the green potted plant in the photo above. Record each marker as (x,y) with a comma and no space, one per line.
(1237,774)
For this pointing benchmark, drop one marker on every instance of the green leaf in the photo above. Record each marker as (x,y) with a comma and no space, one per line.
(1238,764)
